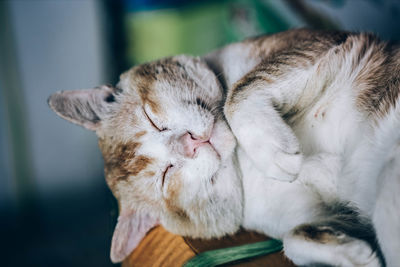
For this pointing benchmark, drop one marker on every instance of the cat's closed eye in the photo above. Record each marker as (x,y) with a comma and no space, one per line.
(158,128)
(165,173)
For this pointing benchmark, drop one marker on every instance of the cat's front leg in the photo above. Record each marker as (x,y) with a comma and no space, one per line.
(262,133)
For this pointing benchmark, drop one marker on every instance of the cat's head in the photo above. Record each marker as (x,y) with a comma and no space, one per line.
(168,152)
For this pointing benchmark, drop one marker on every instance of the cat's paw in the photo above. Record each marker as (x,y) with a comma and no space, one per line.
(274,150)
(285,166)
(320,173)
(275,162)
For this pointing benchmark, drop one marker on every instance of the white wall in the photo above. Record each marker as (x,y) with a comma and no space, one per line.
(60,46)
(6,185)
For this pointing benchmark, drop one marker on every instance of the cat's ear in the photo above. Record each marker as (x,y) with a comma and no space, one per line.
(84,107)
(130,230)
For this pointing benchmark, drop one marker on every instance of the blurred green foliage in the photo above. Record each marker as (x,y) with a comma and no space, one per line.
(160,33)
(201,27)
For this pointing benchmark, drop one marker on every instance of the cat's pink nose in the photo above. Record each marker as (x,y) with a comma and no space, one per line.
(191,143)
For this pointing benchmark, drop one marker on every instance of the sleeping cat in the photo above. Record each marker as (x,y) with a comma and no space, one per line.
(294,135)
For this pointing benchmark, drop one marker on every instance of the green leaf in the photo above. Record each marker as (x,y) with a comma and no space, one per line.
(227,255)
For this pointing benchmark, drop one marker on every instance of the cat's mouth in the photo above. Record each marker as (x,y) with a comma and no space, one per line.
(222,140)
(214,148)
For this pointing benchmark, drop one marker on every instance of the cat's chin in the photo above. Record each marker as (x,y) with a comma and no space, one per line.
(206,208)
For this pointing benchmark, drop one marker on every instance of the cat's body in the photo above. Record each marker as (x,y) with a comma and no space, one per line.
(315,116)
(339,97)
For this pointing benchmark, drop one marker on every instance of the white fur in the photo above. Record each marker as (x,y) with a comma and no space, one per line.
(352,253)
(236,66)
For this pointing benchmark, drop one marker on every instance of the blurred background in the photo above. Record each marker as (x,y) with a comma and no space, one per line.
(55,208)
